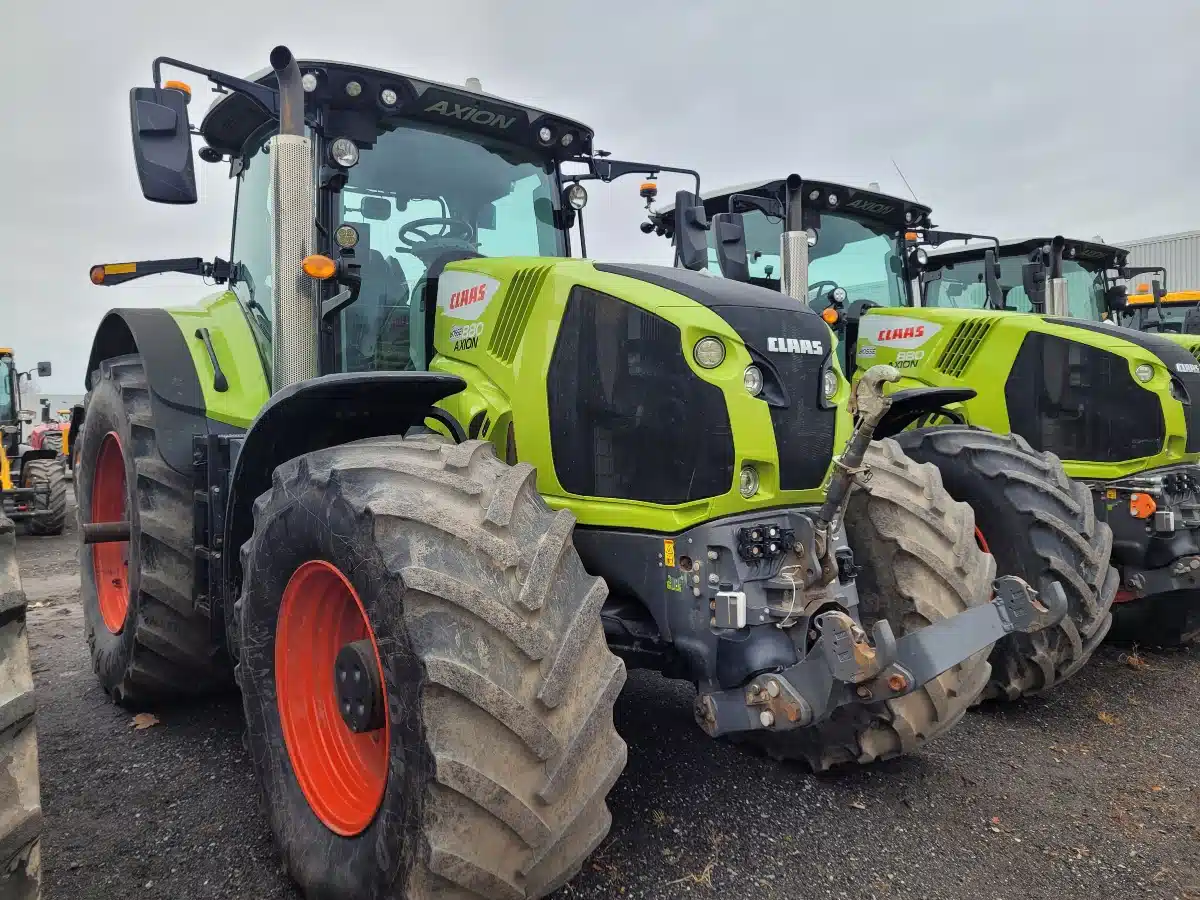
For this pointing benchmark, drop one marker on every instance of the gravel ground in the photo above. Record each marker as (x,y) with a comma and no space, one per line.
(1090,793)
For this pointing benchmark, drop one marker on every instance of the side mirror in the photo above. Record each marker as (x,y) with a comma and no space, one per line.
(1117,298)
(691,231)
(729,231)
(1033,279)
(991,278)
(162,144)
(44,369)
(377,209)
(26,416)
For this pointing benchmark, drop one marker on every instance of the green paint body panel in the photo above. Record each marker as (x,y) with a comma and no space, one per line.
(985,369)
(506,362)
(237,352)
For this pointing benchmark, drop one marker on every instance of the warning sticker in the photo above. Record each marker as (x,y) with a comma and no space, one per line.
(669,554)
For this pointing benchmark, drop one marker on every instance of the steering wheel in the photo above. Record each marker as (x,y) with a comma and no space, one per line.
(455,230)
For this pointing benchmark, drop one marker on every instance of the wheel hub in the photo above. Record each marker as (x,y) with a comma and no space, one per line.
(357,687)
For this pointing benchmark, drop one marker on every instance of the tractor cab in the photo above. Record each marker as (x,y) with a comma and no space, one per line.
(1056,276)
(853,238)
(1162,312)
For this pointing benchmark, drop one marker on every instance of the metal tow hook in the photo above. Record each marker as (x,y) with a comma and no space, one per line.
(869,406)
(1023,609)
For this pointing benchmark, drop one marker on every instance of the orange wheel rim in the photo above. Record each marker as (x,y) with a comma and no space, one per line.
(342,774)
(110,561)
(981,540)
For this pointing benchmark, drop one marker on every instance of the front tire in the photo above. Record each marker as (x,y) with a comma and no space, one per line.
(50,518)
(486,775)
(1039,525)
(919,564)
(149,642)
(20,796)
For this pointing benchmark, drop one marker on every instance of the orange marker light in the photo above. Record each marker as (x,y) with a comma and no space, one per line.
(96,274)
(1141,506)
(910,235)
(1142,288)
(179,86)
(830,315)
(319,267)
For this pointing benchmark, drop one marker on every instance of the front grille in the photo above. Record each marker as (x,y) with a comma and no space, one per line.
(1080,402)
(628,418)
(804,430)
(963,344)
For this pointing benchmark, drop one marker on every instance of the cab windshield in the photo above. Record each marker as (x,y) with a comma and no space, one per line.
(858,255)
(8,408)
(961,286)
(423,197)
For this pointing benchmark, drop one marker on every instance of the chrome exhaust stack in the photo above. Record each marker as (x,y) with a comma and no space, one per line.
(293,202)
(793,244)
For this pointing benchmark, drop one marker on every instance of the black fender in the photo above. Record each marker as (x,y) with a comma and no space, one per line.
(911,404)
(312,415)
(176,399)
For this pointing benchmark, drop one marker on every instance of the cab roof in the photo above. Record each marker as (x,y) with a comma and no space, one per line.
(1091,251)
(234,118)
(872,204)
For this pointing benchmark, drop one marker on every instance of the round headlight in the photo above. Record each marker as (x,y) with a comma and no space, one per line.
(545,135)
(567,139)
(748,482)
(346,236)
(813,195)
(1144,372)
(752,379)
(908,217)
(388,97)
(838,295)
(308,81)
(832,200)
(353,88)
(812,236)
(709,352)
(922,256)
(344,152)
(829,383)
(577,196)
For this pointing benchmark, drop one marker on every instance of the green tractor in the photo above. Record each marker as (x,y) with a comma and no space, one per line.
(423,484)
(844,252)
(1079,386)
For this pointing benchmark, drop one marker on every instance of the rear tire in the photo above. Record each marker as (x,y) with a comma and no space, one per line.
(149,643)
(52,518)
(20,801)
(1039,525)
(919,564)
(499,688)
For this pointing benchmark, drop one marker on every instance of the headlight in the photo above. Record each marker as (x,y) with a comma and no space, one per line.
(829,383)
(812,236)
(388,97)
(922,255)
(709,352)
(308,81)
(1144,372)
(748,482)
(752,379)
(353,88)
(838,295)
(545,135)
(577,196)
(346,236)
(344,152)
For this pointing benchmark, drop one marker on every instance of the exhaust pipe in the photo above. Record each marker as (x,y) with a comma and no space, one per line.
(1056,294)
(294,295)
(793,243)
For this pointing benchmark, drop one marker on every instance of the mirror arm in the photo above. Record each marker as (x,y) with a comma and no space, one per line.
(265,97)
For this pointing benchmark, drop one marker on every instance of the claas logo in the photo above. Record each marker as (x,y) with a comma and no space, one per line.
(901,334)
(467,296)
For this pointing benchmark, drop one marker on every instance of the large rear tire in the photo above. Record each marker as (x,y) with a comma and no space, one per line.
(919,564)
(1039,525)
(488,774)
(149,642)
(50,517)
(20,797)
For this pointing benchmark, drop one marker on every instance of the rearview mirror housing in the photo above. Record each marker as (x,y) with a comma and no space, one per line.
(44,369)
(729,233)
(162,144)
(1117,298)
(691,231)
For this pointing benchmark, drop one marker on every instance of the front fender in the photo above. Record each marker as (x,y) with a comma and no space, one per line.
(315,414)
(910,404)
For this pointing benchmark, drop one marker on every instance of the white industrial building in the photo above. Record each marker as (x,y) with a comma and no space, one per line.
(1178,253)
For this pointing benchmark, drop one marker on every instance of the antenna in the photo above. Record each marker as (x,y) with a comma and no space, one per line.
(905,180)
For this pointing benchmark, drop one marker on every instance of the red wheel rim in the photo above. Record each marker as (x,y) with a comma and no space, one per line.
(110,561)
(981,540)
(342,774)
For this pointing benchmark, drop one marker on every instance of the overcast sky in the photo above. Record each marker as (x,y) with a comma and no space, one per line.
(1011,117)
